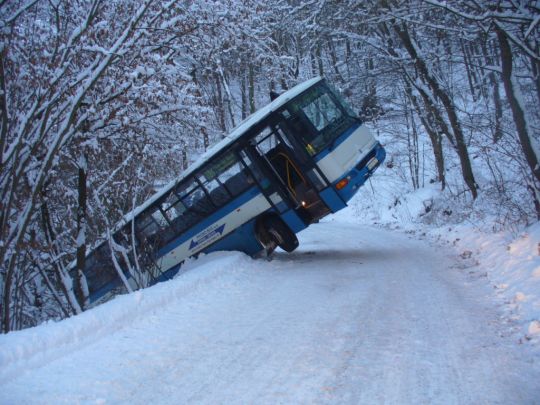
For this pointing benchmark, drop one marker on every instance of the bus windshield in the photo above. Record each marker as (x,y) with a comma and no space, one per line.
(327,117)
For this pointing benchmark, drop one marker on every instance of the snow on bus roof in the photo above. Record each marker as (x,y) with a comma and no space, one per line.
(245,125)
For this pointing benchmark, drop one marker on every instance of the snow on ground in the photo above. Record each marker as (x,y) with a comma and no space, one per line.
(508,261)
(512,266)
(357,314)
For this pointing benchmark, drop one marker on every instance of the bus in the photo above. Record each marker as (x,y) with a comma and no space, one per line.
(296,160)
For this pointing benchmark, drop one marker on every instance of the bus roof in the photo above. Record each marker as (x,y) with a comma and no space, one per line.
(236,133)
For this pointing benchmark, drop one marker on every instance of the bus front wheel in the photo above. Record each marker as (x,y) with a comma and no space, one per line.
(281,234)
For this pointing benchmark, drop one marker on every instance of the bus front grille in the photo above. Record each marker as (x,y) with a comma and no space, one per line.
(366,159)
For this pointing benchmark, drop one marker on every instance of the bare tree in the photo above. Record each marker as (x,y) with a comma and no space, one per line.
(66,84)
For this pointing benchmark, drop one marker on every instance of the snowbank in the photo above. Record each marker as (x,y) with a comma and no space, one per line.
(512,266)
(47,341)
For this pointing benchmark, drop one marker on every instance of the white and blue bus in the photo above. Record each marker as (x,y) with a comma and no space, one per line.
(296,160)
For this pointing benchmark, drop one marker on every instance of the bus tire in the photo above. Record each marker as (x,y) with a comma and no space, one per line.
(263,236)
(282,234)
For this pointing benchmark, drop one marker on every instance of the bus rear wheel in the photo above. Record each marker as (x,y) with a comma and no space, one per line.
(281,234)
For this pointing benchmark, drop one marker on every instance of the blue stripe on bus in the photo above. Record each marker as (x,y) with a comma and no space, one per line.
(242,238)
(115,283)
(169,274)
(216,216)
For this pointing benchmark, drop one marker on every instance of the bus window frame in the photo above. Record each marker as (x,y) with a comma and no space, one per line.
(190,185)
(295,111)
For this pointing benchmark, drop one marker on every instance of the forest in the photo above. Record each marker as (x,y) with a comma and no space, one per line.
(104,102)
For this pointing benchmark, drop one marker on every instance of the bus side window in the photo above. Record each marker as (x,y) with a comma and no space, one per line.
(253,169)
(151,225)
(266,140)
(236,179)
(217,193)
(159,218)
(98,270)
(146,225)
(198,202)
(185,188)
(172,207)
(226,178)
(176,210)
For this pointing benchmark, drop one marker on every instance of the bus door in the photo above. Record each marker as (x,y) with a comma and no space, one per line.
(291,175)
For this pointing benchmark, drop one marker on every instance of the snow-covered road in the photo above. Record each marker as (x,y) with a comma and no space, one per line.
(356,315)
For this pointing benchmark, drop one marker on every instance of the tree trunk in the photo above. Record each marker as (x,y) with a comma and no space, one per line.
(535,68)
(433,131)
(468,69)
(313,63)
(518,112)
(219,105)
(50,237)
(206,139)
(6,300)
(440,93)
(333,56)
(251,89)
(497,131)
(412,146)
(319,60)
(493,88)
(4,119)
(81,289)
(243,95)
(185,163)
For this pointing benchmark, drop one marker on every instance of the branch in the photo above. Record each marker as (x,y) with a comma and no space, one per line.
(15,15)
